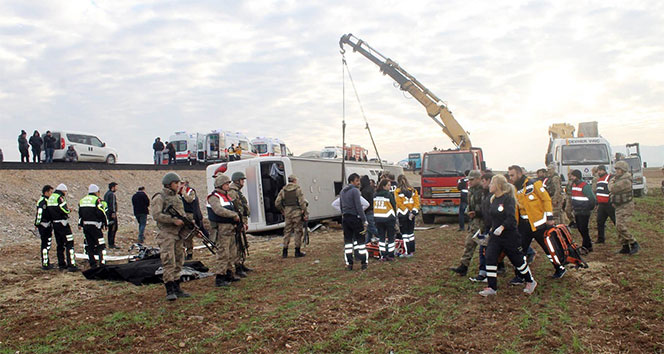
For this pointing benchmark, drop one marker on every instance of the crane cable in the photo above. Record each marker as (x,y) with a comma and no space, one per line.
(345,66)
(343,122)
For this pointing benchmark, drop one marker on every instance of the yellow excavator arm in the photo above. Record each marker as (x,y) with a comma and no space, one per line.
(436,108)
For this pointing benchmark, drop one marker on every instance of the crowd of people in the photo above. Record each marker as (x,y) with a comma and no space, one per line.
(36,144)
(163,151)
(508,212)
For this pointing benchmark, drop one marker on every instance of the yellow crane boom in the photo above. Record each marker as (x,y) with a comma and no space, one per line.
(436,108)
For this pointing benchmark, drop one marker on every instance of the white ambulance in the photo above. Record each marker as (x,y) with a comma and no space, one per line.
(269,147)
(188,146)
(218,143)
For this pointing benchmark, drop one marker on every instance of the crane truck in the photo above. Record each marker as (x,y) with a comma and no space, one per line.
(441,169)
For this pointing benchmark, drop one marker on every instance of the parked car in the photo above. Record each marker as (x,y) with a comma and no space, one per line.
(89,147)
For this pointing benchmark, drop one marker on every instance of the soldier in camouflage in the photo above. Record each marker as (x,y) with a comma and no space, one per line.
(223,219)
(292,204)
(475,196)
(171,234)
(621,196)
(554,188)
(242,206)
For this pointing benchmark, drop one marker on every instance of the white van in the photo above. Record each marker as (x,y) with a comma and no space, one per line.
(188,146)
(218,142)
(89,147)
(319,179)
(269,147)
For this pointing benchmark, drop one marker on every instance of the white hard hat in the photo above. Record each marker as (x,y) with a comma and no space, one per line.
(61,187)
(93,188)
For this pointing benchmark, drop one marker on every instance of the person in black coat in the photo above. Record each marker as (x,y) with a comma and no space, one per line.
(368,193)
(36,142)
(504,236)
(23,146)
(49,146)
(141,204)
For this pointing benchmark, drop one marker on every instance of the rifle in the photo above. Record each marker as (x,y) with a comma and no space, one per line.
(211,246)
(241,239)
(306,231)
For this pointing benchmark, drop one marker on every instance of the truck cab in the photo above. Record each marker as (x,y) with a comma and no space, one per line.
(581,154)
(441,171)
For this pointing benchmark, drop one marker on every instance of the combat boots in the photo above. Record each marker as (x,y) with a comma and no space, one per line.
(239,271)
(245,268)
(284,254)
(230,277)
(220,281)
(624,250)
(170,291)
(634,248)
(178,291)
(299,254)
(462,270)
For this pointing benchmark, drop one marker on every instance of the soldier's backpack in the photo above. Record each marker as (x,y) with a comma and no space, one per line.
(562,247)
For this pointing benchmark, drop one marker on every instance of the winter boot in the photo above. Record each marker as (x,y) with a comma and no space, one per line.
(299,254)
(178,291)
(220,281)
(462,270)
(284,254)
(170,291)
(634,248)
(230,277)
(624,250)
(245,268)
(364,266)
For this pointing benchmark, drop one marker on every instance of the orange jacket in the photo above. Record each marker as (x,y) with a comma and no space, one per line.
(534,203)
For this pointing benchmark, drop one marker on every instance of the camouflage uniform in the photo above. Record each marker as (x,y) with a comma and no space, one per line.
(620,188)
(170,237)
(242,206)
(222,231)
(475,196)
(569,212)
(593,215)
(292,204)
(555,190)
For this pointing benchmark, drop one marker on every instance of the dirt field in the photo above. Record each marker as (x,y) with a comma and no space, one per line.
(313,305)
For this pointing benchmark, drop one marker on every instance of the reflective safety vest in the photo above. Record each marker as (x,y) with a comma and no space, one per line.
(226,203)
(89,201)
(42,218)
(406,204)
(534,204)
(59,207)
(579,200)
(383,208)
(91,211)
(602,190)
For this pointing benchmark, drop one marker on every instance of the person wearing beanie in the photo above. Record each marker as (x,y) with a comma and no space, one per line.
(23,146)
(583,203)
(92,219)
(59,213)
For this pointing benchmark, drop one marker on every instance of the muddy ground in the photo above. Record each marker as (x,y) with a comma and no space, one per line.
(314,305)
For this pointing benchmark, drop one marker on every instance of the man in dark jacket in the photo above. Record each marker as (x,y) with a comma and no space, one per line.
(49,146)
(36,143)
(171,153)
(23,146)
(583,203)
(141,204)
(368,192)
(354,223)
(158,148)
(112,213)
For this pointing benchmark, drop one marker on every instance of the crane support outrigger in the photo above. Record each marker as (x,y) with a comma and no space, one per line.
(436,108)
(441,169)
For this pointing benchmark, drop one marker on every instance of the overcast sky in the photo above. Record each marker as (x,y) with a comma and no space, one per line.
(507,70)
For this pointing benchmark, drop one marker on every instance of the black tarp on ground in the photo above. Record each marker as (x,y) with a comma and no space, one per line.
(142,271)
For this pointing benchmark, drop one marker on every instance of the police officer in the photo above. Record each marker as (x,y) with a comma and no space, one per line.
(92,218)
(583,202)
(242,206)
(553,186)
(171,234)
(59,213)
(190,205)
(621,196)
(291,203)
(223,219)
(604,208)
(44,226)
(475,194)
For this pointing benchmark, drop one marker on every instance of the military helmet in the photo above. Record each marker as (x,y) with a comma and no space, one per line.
(238,176)
(221,180)
(622,165)
(170,178)
(474,174)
